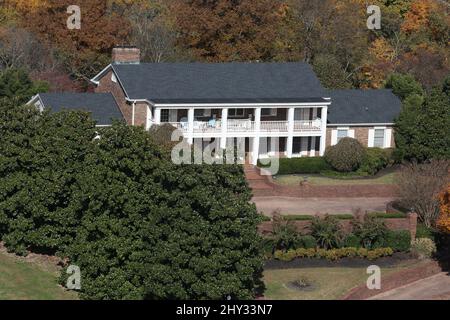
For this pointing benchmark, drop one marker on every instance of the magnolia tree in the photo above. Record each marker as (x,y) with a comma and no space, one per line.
(114,205)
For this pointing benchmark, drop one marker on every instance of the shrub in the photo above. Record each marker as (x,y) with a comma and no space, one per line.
(384,215)
(346,156)
(422,231)
(306,217)
(307,242)
(285,234)
(326,231)
(370,230)
(374,160)
(399,241)
(423,248)
(333,254)
(343,175)
(268,246)
(352,240)
(303,165)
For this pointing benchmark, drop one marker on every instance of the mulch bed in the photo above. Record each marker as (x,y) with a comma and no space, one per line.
(398,279)
(385,262)
(45,262)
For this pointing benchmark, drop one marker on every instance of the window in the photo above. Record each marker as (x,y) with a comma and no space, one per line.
(165,115)
(236,112)
(297,145)
(341,133)
(269,112)
(113,77)
(378,140)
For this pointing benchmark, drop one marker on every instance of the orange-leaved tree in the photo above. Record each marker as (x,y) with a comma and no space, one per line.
(444,219)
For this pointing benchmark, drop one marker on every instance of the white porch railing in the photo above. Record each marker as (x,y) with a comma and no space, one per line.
(249,126)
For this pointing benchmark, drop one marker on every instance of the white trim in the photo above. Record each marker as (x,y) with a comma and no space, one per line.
(133,113)
(351,134)
(96,79)
(313,147)
(387,138)
(359,124)
(334,137)
(371,138)
(233,105)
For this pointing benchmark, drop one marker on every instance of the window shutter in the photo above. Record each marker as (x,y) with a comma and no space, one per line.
(371,137)
(333,137)
(388,138)
(351,134)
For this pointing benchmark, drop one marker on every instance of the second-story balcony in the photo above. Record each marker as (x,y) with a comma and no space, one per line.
(248,126)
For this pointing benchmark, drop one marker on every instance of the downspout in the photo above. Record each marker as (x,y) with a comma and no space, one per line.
(133,113)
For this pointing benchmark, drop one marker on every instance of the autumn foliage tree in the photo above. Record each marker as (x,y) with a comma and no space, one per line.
(84,51)
(225,30)
(444,218)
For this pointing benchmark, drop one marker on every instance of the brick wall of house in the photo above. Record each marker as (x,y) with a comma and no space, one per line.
(140,114)
(361,134)
(106,85)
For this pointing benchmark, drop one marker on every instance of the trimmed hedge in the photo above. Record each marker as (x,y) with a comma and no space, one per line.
(307,217)
(313,165)
(333,254)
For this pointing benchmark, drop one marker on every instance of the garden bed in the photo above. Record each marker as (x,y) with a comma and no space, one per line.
(395,259)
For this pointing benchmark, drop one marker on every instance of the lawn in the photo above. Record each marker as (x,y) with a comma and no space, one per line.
(330,283)
(22,280)
(294,180)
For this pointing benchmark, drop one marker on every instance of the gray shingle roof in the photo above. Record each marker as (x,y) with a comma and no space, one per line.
(103,106)
(363,106)
(220,82)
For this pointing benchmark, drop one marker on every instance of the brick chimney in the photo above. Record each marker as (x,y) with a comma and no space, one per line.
(126,55)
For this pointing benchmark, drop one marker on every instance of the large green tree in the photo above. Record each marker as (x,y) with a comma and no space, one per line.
(15,83)
(404,85)
(41,154)
(154,230)
(422,127)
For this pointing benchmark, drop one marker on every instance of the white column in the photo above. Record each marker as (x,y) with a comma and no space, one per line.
(256,139)
(323,138)
(157,116)
(190,136)
(290,139)
(313,147)
(224,121)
